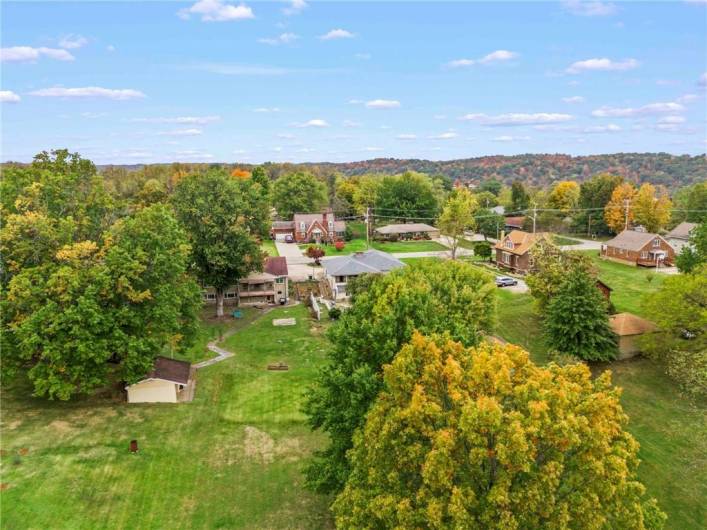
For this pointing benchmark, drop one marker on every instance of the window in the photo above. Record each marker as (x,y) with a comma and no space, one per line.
(230,295)
(302,226)
(506,257)
(341,279)
(210,296)
(280,280)
(509,243)
(656,242)
(644,255)
(331,226)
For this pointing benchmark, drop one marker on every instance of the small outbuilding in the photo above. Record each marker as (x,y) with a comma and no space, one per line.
(629,328)
(407,231)
(169,381)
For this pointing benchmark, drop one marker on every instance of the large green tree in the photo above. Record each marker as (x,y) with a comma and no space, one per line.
(691,203)
(519,196)
(123,301)
(594,195)
(214,211)
(407,196)
(439,297)
(695,253)
(257,199)
(679,310)
(457,217)
(489,223)
(576,320)
(298,192)
(483,438)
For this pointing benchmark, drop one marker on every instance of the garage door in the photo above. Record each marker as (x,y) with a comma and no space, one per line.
(281,237)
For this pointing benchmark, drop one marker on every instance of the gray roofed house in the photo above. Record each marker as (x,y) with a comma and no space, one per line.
(679,236)
(631,240)
(407,230)
(341,268)
(639,248)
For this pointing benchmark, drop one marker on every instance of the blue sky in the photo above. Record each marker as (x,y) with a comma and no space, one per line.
(340,81)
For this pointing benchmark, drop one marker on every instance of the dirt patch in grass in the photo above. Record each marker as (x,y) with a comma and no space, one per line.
(260,446)
(14,425)
(62,427)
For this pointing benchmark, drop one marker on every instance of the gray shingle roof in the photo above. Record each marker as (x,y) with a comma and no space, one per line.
(371,261)
(406,228)
(631,240)
(682,231)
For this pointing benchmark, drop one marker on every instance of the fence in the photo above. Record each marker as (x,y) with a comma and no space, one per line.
(315,306)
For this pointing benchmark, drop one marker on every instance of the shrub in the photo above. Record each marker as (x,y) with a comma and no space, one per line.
(334,313)
(339,245)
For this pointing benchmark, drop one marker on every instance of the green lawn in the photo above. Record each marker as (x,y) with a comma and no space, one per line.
(230,459)
(671,431)
(561,240)
(268,245)
(629,283)
(413,261)
(359,245)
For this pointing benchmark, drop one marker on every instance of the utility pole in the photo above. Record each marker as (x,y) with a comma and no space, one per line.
(589,225)
(627,203)
(535,214)
(368,226)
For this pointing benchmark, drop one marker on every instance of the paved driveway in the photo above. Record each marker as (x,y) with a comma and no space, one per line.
(299,267)
(289,250)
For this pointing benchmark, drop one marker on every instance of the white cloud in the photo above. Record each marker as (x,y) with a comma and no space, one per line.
(589,8)
(602,65)
(507,138)
(184,120)
(444,136)
(316,123)
(518,118)
(283,38)
(266,109)
(24,54)
(295,7)
(672,119)
(574,99)
(407,137)
(8,96)
(493,57)
(382,104)
(645,110)
(72,42)
(687,98)
(337,34)
(216,11)
(88,92)
(351,124)
(597,129)
(192,154)
(372,149)
(182,132)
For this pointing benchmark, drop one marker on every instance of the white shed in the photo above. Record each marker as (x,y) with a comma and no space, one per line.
(168,382)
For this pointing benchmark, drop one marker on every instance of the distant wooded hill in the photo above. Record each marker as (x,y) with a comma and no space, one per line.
(535,170)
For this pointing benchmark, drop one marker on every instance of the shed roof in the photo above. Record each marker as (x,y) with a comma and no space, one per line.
(516,221)
(275,265)
(371,261)
(170,370)
(631,240)
(625,324)
(406,228)
(682,231)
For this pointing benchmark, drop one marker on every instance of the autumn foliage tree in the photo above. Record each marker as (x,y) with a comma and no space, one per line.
(651,207)
(564,196)
(483,438)
(449,296)
(315,252)
(615,209)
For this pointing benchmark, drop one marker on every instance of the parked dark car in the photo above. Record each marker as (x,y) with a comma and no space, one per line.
(505,281)
(289,239)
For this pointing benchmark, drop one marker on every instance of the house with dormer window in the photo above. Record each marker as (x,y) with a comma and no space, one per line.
(639,248)
(513,250)
(310,228)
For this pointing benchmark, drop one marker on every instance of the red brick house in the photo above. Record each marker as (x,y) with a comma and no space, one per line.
(513,250)
(639,248)
(310,228)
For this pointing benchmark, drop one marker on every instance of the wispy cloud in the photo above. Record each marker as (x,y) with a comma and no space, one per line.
(266,110)
(493,57)
(337,34)
(602,65)
(283,38)
(72,42)
(295,7)
(350,124)
(192,154)
(8,96)
(184,120)
(518,118)
(407,137)
(316,123)
(449,135)
(590,8)
(507,138)
(27,54)
(216,11)
(88,92)
(182,132)
(574,99)
(598,129)
(383,104)
(646,110)
(372,149)
(702,81)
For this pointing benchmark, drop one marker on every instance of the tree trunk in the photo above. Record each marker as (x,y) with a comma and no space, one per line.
(219,302)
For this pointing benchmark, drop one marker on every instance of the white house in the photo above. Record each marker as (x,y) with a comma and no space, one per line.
(340,270)
(166,383)
(679,236)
